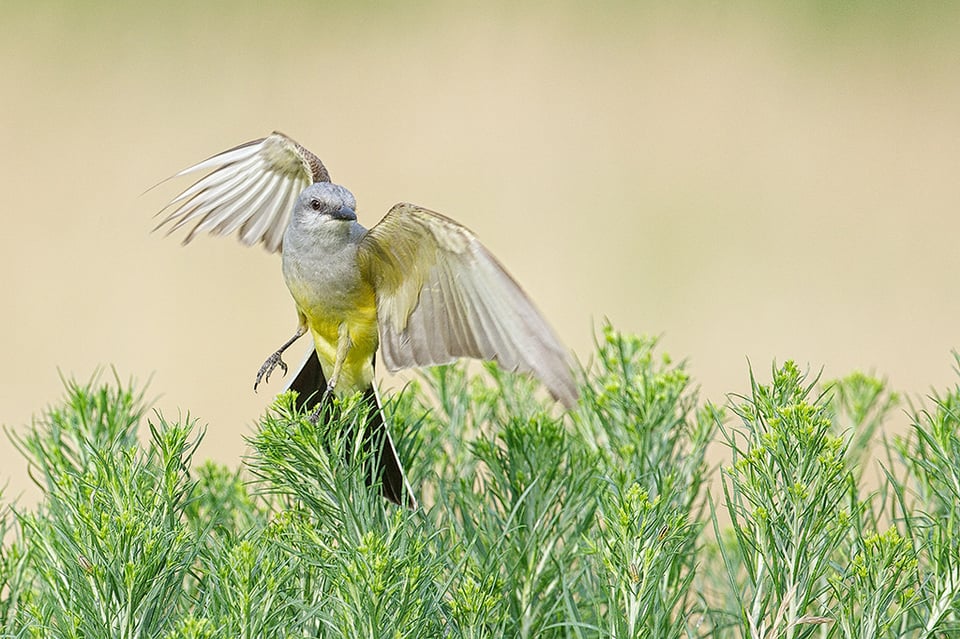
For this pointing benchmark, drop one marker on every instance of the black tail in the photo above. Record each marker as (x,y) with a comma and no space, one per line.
(311,385)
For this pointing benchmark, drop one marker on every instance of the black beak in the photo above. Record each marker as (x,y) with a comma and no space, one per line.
(344,213)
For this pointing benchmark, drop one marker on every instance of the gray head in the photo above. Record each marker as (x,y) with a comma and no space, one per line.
(325,201)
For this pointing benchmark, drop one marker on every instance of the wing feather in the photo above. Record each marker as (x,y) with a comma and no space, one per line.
(250,188)
(274,236)
(230,156)
(256,227)
(262,213)
(263,203)
(236,211)
(441,296)
(215,180)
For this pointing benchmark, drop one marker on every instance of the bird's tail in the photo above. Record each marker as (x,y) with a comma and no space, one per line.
(310,384)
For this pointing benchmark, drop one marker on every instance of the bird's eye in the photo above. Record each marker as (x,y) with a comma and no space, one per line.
(315,204)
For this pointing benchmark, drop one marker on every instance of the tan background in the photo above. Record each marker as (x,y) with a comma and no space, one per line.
(750,181)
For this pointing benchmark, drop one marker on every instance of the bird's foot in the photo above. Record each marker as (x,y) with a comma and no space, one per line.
(268,367)
(314,415)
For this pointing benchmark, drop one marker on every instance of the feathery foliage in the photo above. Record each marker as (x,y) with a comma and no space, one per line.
(597,523)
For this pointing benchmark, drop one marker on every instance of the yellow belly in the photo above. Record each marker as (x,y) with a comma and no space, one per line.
(361,323)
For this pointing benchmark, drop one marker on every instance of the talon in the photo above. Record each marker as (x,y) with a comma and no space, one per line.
(268,367)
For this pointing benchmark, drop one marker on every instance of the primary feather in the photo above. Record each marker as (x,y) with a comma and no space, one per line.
(441,296)
(251,187)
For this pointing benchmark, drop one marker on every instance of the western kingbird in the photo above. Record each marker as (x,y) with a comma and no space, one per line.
(418,285)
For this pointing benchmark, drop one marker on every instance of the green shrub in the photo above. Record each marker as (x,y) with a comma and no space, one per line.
(533,523)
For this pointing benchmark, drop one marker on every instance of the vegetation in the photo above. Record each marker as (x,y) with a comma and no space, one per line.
(599,523)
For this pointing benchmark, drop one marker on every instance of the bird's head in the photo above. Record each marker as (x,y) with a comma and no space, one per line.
(325,202)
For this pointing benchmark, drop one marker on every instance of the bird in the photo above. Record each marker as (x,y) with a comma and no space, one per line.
(417,287)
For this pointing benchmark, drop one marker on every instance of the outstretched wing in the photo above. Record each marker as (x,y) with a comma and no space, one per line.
(250,188)
(441,295)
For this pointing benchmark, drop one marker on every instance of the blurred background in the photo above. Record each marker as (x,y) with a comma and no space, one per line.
(751,180)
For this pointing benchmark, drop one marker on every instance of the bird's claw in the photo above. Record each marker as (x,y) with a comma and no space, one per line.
(314,415)
(268,367)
